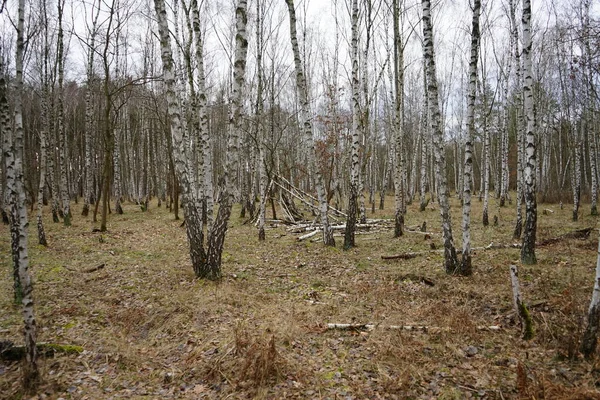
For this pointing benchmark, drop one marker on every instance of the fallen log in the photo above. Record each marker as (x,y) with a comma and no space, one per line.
(308,235)
(10,352)
(421,328)
(576,234)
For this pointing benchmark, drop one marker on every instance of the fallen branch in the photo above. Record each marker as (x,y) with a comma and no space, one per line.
(576,234)
(94,269)
(10,352)
(422,328)
(308,235)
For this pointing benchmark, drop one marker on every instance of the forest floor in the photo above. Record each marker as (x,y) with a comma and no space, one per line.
(150,330)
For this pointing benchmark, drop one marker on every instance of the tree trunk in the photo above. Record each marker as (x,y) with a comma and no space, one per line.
(308,129)
(62,146)
(519,136)
(398,125)
(590,336)
(211,269)
(15,186)
(450,259)
(352,212)
(88,194)
(529,234)
(465,267)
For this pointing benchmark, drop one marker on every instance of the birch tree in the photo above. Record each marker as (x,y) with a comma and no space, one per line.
(450,259)
(529,234)
(216,237)
(356,132)
(519,125)
(590,335)
(13,153)
(45,126)
(62,146)
(307,128)
(399,186)
(88,195)
(465,267)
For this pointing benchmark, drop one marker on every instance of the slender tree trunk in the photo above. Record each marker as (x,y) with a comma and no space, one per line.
(486,169)
(519,142)
(398,124)
(576,173)
(529,234)
(307,128)
(117,167)
(88,193)
(62,146)
(260,132)
(16,189)
(349,240)
(465,267)
(450,259)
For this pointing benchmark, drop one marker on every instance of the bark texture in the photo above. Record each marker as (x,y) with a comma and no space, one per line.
(465,266)
(529,172)
(450,259)
(307,128)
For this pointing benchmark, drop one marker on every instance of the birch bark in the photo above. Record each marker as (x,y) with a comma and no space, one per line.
(450,259)
(529,172)
(466,267)
(307,128)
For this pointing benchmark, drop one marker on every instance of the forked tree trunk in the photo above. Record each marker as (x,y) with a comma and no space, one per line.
(349,240)
(211,269)
(307,128)
(16,189)
(465,267)
(177,145)
(529,234)
(450,259)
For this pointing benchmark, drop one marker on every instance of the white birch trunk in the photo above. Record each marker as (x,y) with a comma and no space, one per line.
(529,172)
(519,137)
(450,259)
(16,189)
(88,193)
(349,235)
(216,237)
(466,267)
(590,336)
(307,128)
(62,146)
(576,173)
(193,227)
(399,187)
